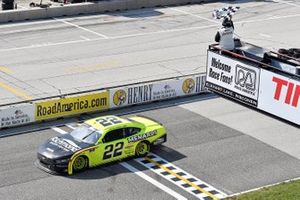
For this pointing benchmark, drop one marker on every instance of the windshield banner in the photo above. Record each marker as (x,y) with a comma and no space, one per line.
(71,105)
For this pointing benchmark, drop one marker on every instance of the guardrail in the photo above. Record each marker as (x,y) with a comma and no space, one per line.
(93,90)
(87,8)
(102,99)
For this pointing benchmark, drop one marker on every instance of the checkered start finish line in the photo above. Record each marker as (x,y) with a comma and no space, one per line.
(181,178)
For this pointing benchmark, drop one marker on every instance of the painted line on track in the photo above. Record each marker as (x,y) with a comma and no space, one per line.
(135,171)
(15,91)
(59,130)
(265,35)
(266,186)
(181,178)
(85,38)
(153,181)
(71,126)
(288,3)
(44,45)
(5,70)
(194,15)
(143,34)
(82,28)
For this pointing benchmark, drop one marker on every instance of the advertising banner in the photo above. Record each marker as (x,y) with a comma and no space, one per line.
(154,91)
(232,78)
(17,115)
(279,95)
(71,105)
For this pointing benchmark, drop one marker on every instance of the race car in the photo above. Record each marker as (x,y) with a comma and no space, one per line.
(100,141)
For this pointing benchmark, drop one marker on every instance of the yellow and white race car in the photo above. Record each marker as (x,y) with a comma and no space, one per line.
(99,141)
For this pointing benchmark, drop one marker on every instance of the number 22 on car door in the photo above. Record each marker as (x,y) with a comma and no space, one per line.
(113,146)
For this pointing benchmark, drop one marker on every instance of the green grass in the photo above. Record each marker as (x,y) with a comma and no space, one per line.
(283,191)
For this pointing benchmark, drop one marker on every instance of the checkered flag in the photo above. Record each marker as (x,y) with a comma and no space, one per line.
(226,12)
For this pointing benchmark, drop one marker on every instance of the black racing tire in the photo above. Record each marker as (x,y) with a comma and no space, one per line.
(142,149)
(80,164)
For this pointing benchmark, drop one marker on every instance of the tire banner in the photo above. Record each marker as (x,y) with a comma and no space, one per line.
(232,78)
(160,90)
(17,115)
(280,96)
(71,105)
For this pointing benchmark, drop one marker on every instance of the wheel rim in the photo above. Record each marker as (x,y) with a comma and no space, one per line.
(79,163)
(142,148)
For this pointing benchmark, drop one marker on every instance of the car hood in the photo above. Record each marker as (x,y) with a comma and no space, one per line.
(61,146)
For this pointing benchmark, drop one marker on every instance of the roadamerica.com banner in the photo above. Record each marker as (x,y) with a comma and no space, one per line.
(71,105)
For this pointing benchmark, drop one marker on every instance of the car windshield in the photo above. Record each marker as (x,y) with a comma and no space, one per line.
(86,133)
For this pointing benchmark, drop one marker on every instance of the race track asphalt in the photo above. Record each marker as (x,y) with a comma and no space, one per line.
(63,55)
(229,146)
(223,157)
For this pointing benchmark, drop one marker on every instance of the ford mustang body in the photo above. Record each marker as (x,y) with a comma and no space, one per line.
(99,141)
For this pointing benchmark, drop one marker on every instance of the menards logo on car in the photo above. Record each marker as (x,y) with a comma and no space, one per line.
(141,137)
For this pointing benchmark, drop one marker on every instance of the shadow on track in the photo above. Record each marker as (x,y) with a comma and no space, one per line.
(113,169)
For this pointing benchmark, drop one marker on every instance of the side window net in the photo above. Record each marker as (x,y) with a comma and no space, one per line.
(113,135)
(131,131)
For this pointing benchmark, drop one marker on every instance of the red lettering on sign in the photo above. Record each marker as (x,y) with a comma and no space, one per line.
(293,93)
(279,85)
(289,93)
(296,96)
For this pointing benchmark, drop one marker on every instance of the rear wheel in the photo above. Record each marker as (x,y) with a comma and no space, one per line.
(80,163)
(142,149)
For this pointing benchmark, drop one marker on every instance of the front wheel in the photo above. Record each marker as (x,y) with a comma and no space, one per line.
(80,163)
(142,149)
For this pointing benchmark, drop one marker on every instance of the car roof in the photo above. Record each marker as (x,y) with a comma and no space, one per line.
(95,122)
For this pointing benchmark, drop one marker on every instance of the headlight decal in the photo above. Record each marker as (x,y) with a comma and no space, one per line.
(66,160)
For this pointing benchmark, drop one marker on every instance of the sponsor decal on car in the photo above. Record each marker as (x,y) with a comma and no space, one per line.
(142,136)
(66,145)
